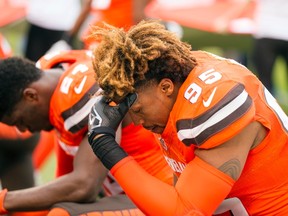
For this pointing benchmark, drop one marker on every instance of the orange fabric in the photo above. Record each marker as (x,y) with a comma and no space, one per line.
(259,163)
(70,106)
(144,148)
(147,152)
(58,212)
(221,16)
(11,11)
(2,197)
(167,199)
(217,100)
(71,94)
(34,213)
(64,163)
(11,132)
(44,148)
(118,13)
(73,90)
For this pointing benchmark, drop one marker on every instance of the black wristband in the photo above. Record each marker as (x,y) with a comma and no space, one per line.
(100,130)
(107,150)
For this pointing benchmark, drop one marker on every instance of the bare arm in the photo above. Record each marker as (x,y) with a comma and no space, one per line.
(82,185)
(230,157)
(86,7)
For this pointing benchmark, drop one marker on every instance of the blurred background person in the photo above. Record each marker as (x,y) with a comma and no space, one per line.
(51,21)
(49,31)
(120,13)
(270,39)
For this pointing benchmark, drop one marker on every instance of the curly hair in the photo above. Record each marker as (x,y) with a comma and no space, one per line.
(16,73)
(124,61)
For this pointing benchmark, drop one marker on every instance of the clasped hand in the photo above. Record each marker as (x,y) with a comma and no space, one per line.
(105,118)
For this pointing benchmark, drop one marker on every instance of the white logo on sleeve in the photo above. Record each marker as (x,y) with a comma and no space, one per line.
(79,88)
(207,102)
(95,119)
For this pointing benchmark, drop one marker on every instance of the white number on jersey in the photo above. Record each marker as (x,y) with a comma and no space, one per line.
(67,81)
(194,91)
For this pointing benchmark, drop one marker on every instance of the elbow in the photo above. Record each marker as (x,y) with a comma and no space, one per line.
(85,191)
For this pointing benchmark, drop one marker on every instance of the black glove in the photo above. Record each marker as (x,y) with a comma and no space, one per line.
(104,120)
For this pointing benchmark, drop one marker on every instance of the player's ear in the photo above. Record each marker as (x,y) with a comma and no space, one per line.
(30,94)
(167,86)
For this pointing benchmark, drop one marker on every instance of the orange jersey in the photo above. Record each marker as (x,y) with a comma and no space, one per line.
(114,12)
(70,105)
(217,100)
(71,101)
(11,132)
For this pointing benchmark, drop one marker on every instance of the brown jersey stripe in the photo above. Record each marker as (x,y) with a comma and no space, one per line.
(69,113)
(216,128)
(198,130)
(190,123)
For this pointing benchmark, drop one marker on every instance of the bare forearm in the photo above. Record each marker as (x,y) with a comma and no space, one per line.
(81,18)
(43,197)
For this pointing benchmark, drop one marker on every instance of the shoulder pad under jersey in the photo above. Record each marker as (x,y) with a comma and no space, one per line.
(51,60)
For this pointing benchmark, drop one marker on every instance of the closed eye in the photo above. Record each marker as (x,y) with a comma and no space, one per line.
(136,111)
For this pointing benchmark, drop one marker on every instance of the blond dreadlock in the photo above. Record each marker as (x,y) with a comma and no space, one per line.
(124,61)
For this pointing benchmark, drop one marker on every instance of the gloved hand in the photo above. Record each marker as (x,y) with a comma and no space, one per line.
(104,120)
(3,193)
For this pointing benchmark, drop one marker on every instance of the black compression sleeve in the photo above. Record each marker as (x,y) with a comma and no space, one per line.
(107,150)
